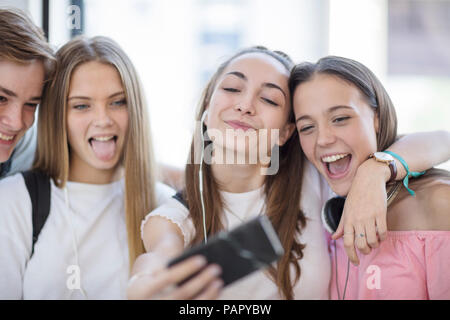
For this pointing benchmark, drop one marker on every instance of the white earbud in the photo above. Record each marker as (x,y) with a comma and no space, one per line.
(202,120)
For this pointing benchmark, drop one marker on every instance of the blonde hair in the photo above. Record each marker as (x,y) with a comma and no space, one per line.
(52,155)
(282,190)
(21,41)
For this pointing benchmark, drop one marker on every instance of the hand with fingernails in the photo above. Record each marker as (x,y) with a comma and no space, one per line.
(152,279)
(364,222)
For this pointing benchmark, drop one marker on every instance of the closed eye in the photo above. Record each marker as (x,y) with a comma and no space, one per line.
(231,90)
(305,128)
(270,101)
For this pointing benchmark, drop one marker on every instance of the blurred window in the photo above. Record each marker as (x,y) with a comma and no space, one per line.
(419,37)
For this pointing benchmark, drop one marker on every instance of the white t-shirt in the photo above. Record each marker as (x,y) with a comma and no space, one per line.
(315,264)
(95,220)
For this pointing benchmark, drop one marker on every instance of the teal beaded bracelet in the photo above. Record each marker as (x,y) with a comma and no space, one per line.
(408,173)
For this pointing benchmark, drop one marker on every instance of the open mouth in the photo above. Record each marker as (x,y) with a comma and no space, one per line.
(6,139)
(104,147)
(337,165)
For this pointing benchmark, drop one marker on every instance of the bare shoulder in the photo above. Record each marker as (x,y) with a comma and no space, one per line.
(436,201)
(428,210)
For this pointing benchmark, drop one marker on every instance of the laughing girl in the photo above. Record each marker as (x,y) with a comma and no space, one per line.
(344,116)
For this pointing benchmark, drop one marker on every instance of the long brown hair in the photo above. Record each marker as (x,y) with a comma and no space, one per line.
(21,41)
(52,154)
(282,190)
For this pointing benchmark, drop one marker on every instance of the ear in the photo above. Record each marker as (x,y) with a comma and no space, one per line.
(376,122)
(286,133)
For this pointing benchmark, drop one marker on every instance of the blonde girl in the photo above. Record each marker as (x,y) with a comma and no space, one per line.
(94,146)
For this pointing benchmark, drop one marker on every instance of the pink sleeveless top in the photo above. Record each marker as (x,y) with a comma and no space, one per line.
(407,265)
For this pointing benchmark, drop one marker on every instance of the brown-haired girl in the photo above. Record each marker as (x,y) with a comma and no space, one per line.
(344,116)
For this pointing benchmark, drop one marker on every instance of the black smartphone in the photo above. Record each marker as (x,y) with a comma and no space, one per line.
(241,251)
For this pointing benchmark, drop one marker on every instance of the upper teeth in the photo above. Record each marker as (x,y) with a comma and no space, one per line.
(334,157)
(5,137)
(103,138)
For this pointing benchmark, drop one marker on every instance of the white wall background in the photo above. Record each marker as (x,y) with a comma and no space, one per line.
(175,44)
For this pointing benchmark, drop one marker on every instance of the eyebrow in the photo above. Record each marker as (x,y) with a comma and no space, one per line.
(88,98)
(237,74)
(265,84)
(330,110)
(13,94)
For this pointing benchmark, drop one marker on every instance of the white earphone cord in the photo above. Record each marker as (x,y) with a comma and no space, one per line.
(74,237)
(200,177)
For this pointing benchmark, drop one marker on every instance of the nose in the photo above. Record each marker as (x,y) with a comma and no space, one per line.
(102,117)
(325,136)
(12,117)
(246,106)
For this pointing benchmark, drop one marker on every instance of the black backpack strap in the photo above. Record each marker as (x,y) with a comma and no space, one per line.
(179,196)
(5,167)
(38,185)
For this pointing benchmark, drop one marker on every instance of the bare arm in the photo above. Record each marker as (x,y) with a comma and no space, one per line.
(163,236)
(422,150)
(152,279)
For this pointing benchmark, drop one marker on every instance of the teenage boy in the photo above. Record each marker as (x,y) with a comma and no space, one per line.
(26,63)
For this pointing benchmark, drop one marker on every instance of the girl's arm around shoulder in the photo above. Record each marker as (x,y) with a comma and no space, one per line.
(434,149)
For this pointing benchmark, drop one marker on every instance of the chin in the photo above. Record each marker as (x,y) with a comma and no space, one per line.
(3,157)
(105,165)
(6,154)
(341,189)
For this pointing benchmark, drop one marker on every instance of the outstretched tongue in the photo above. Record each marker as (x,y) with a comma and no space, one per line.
(104,150)
(339,166)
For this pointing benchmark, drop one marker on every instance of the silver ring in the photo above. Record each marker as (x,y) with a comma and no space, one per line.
(361,235)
